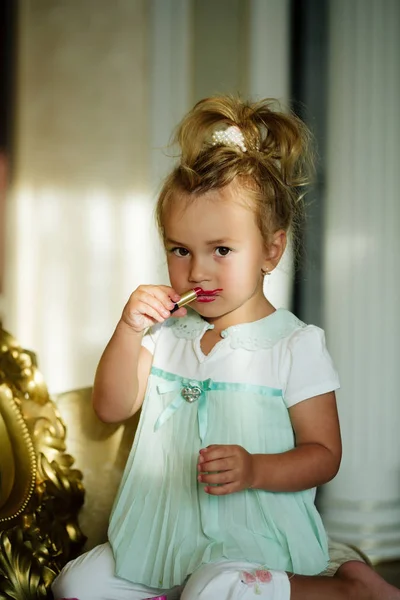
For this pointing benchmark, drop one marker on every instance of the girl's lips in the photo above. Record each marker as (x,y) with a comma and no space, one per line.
(202,293)
(206,298)
(207,295)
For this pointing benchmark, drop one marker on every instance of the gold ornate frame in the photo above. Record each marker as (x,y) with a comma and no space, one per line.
(40,493)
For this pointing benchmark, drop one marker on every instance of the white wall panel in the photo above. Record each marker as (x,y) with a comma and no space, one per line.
(362,274)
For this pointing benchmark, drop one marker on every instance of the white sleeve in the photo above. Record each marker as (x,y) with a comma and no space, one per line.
(309,367)
(151,336)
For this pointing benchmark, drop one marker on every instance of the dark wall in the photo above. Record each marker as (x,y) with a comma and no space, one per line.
(309,53)
(8,9)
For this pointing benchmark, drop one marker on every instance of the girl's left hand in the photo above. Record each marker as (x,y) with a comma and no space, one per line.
(231,467)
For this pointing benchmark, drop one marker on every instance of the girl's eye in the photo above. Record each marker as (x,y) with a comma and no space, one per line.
(180,251)
(222,251)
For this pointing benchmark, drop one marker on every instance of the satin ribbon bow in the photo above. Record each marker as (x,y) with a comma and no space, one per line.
(188,392)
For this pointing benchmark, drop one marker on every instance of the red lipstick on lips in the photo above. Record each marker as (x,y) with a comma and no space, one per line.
(197,293)
(201,292)
(208,295)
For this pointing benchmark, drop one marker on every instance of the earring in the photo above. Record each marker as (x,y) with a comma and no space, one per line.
(265,272)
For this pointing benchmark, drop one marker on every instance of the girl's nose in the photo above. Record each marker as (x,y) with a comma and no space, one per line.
(198,271)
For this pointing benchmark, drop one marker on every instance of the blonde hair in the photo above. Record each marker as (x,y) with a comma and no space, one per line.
(274,169)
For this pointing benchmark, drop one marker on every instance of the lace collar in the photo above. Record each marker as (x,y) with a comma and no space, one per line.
(256,335)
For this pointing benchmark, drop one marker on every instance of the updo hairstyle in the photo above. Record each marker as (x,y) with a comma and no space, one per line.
(274,168)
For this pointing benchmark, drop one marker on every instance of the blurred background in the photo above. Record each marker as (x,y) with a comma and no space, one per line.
(90,93)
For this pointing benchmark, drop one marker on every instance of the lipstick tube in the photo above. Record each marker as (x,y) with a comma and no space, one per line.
(187,297)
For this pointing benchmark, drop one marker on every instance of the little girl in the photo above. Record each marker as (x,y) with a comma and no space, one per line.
(239,422)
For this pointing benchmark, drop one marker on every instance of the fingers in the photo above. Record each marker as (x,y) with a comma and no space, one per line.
(218,478)
(150,304)
(223,490)
(220,484)
(218,451)
(219,458)
(181,312)
(166,290)
(221,464)
(162,295)
(224,469)
(154,304)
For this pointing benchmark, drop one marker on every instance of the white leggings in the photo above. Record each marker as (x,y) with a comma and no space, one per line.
(91,577)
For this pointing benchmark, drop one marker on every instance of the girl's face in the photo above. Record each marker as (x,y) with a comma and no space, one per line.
(213,242)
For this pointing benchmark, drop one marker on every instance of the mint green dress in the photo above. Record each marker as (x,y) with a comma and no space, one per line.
(163,525)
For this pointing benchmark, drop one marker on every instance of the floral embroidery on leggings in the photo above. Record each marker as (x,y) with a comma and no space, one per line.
(256,578)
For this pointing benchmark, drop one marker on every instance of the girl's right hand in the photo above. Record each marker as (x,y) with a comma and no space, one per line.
(150,304)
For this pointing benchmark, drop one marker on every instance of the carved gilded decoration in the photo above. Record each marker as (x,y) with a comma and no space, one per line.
(40,493)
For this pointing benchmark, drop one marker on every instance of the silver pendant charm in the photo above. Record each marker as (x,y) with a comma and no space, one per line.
(191,393)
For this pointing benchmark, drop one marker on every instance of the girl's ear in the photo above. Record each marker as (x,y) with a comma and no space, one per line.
(275,250)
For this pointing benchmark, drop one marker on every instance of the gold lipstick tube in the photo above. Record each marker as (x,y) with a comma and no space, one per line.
(187,297)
